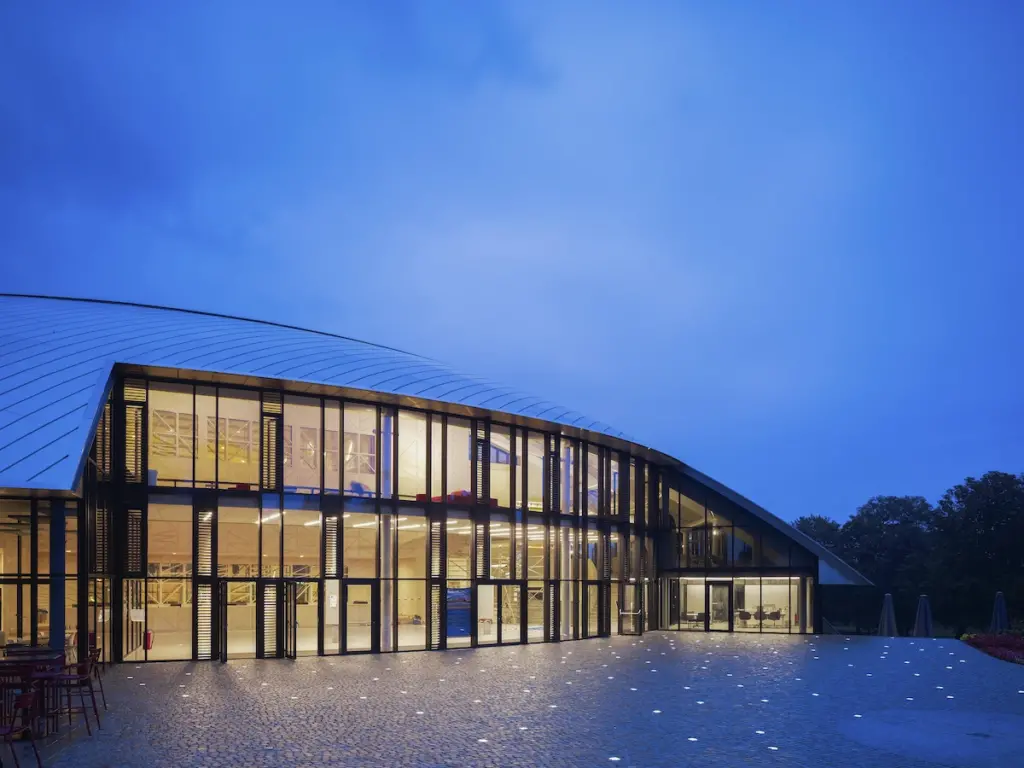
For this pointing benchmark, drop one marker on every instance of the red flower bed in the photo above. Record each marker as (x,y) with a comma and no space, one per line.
(1008,647)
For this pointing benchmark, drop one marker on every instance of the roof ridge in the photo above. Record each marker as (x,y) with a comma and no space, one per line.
(210,314)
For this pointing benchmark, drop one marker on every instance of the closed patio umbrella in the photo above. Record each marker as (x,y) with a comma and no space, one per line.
(1000,621)
(923,621)
(887,623)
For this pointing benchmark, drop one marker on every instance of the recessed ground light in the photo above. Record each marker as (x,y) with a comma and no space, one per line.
(700,702)
(482,741)
(764,701)
(691,738)
(910,698)
(552,706)
(419,712)
(774,749)
(858,715)
(814,694)
(614,759)
(657,711)
(633,689)
(949,697)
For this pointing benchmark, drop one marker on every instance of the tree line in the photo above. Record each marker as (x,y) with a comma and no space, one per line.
(959,552)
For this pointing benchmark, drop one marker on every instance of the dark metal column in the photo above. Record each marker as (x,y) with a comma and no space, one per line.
(57,544)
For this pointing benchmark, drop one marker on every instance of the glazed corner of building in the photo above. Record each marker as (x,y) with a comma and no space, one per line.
(408,516)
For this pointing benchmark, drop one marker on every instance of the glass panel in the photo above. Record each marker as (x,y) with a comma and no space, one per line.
(387,610)
(501,466)
(43,540)
(674,507)
(457,606)
(459,545)
(412,552)
(332,447)
(360,446)
(360,545)
(238,542)
(170,434)
(301,540)
(307,616)
(535,472)
(795,613)
(567,462)
(412,455)
(270,561)
(693,605)
(744,547)
(387,449)
(169,618)
(774,551)
(719,597)
(237,428)
(15,538)
(567,609)
(593,554)
(71,539)
(774,604)
(501,550)
(511,605)
(691,512)
(241,619)
(746,601)
(170,537)
(301,444)
(694,541)
(486,614)
(535,549)
(593,606)
(614,608)
(332,616)
(436,457)
(460,450)
(10,618)
(359,617)
(809,603)
(593,468)
(719,546)
(412,613)
(206,438)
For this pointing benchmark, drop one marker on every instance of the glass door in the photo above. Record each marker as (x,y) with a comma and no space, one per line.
(630,617)
(719,601)
(290,620)
(237,618)
(360,617)
(499,614)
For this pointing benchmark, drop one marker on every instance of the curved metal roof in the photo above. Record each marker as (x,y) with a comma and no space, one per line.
(57,354)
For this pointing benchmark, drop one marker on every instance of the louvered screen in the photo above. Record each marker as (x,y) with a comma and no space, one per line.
(133,419)
(605,555)
(133,543)
(436,549)
(483,463)
(271,429)
(204,622)
(483,566)
(552,612)
(101,547)
(554,482)
(269,620)
(204,542)
(331,547)
(103,445)
(272,402)
(435,616)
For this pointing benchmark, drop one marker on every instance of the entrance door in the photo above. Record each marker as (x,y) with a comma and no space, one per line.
(291,623)
(499,614)
(361,618)
(719,601)
(237,619)
(630,615)
(673,603)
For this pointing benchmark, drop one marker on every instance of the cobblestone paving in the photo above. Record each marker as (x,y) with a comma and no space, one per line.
(666,699)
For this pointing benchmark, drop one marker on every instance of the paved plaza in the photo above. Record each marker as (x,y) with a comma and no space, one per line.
(666,699)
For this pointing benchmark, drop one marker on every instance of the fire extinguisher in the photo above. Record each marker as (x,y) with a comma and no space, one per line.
(149,639)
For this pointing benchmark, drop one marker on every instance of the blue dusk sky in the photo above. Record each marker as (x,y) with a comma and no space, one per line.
(780,241)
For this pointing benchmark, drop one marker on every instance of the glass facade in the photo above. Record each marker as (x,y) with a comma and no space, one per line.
(259,523)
